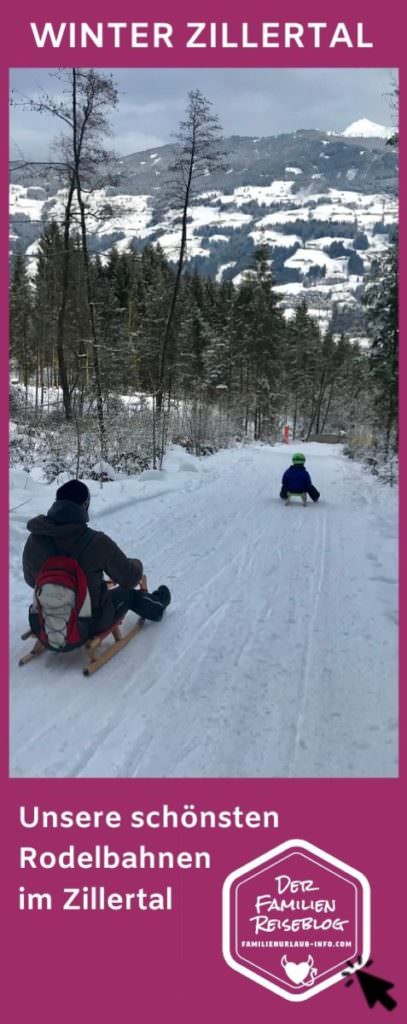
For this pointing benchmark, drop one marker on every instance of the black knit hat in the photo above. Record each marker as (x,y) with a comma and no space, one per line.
(76,491)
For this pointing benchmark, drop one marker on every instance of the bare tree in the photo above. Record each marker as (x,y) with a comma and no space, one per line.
(92,95)
(197,155)
(83,112)
(393,140)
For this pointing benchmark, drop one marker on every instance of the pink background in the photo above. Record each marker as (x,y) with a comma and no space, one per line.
(168,966)
(328,884)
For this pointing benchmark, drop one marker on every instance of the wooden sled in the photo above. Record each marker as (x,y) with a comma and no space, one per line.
(302,496)
(95,657)
(35,651)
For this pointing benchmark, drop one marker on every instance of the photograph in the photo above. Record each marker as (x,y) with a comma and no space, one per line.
(203,423)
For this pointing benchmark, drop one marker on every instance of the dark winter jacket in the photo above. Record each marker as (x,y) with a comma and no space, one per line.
(296,480)
(59,532)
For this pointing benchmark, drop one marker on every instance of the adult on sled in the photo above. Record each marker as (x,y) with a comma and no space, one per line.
(64,561)
(296,480)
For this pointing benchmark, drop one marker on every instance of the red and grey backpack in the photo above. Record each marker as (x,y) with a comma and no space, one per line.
(61,613)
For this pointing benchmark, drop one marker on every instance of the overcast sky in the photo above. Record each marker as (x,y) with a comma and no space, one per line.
(248,101)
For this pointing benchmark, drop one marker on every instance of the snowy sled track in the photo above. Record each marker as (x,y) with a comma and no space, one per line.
(278,655)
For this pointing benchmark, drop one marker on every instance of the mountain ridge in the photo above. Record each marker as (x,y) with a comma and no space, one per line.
(325,205)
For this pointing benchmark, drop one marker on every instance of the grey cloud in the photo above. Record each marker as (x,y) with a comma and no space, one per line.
(261,101)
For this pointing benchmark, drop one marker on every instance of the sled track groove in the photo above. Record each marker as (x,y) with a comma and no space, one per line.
(320,544)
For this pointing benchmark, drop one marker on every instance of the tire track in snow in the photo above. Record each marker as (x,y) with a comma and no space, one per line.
(144,753)
(217,689)
(320,545)
(250,562)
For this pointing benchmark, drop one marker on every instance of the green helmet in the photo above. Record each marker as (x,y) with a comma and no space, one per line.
(298,457)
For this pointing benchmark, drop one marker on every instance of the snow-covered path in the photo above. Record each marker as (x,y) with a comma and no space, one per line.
(278,655)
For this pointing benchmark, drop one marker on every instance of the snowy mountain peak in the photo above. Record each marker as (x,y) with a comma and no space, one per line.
(367,129)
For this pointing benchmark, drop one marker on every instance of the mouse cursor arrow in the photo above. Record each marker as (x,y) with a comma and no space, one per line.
(376,989)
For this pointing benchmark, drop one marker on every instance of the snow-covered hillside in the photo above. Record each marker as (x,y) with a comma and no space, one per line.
(278,654)
(367,129)
(216,216)
(287,191)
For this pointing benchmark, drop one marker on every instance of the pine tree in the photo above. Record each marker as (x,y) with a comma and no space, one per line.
(302,363)
(20,318)
(381,302)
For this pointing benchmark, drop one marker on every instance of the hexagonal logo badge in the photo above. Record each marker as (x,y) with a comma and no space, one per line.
(295,918)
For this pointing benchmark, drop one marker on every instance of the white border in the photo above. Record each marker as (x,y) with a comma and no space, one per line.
(292,844)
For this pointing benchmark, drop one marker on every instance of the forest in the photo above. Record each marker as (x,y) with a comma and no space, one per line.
(115,357)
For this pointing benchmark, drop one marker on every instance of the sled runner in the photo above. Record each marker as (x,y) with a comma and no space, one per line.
(95,657)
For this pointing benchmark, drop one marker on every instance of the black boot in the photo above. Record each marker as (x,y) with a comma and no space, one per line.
(162,594)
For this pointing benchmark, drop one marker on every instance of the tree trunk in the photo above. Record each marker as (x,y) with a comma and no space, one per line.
(88,280)
(63,376)
(177,282)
